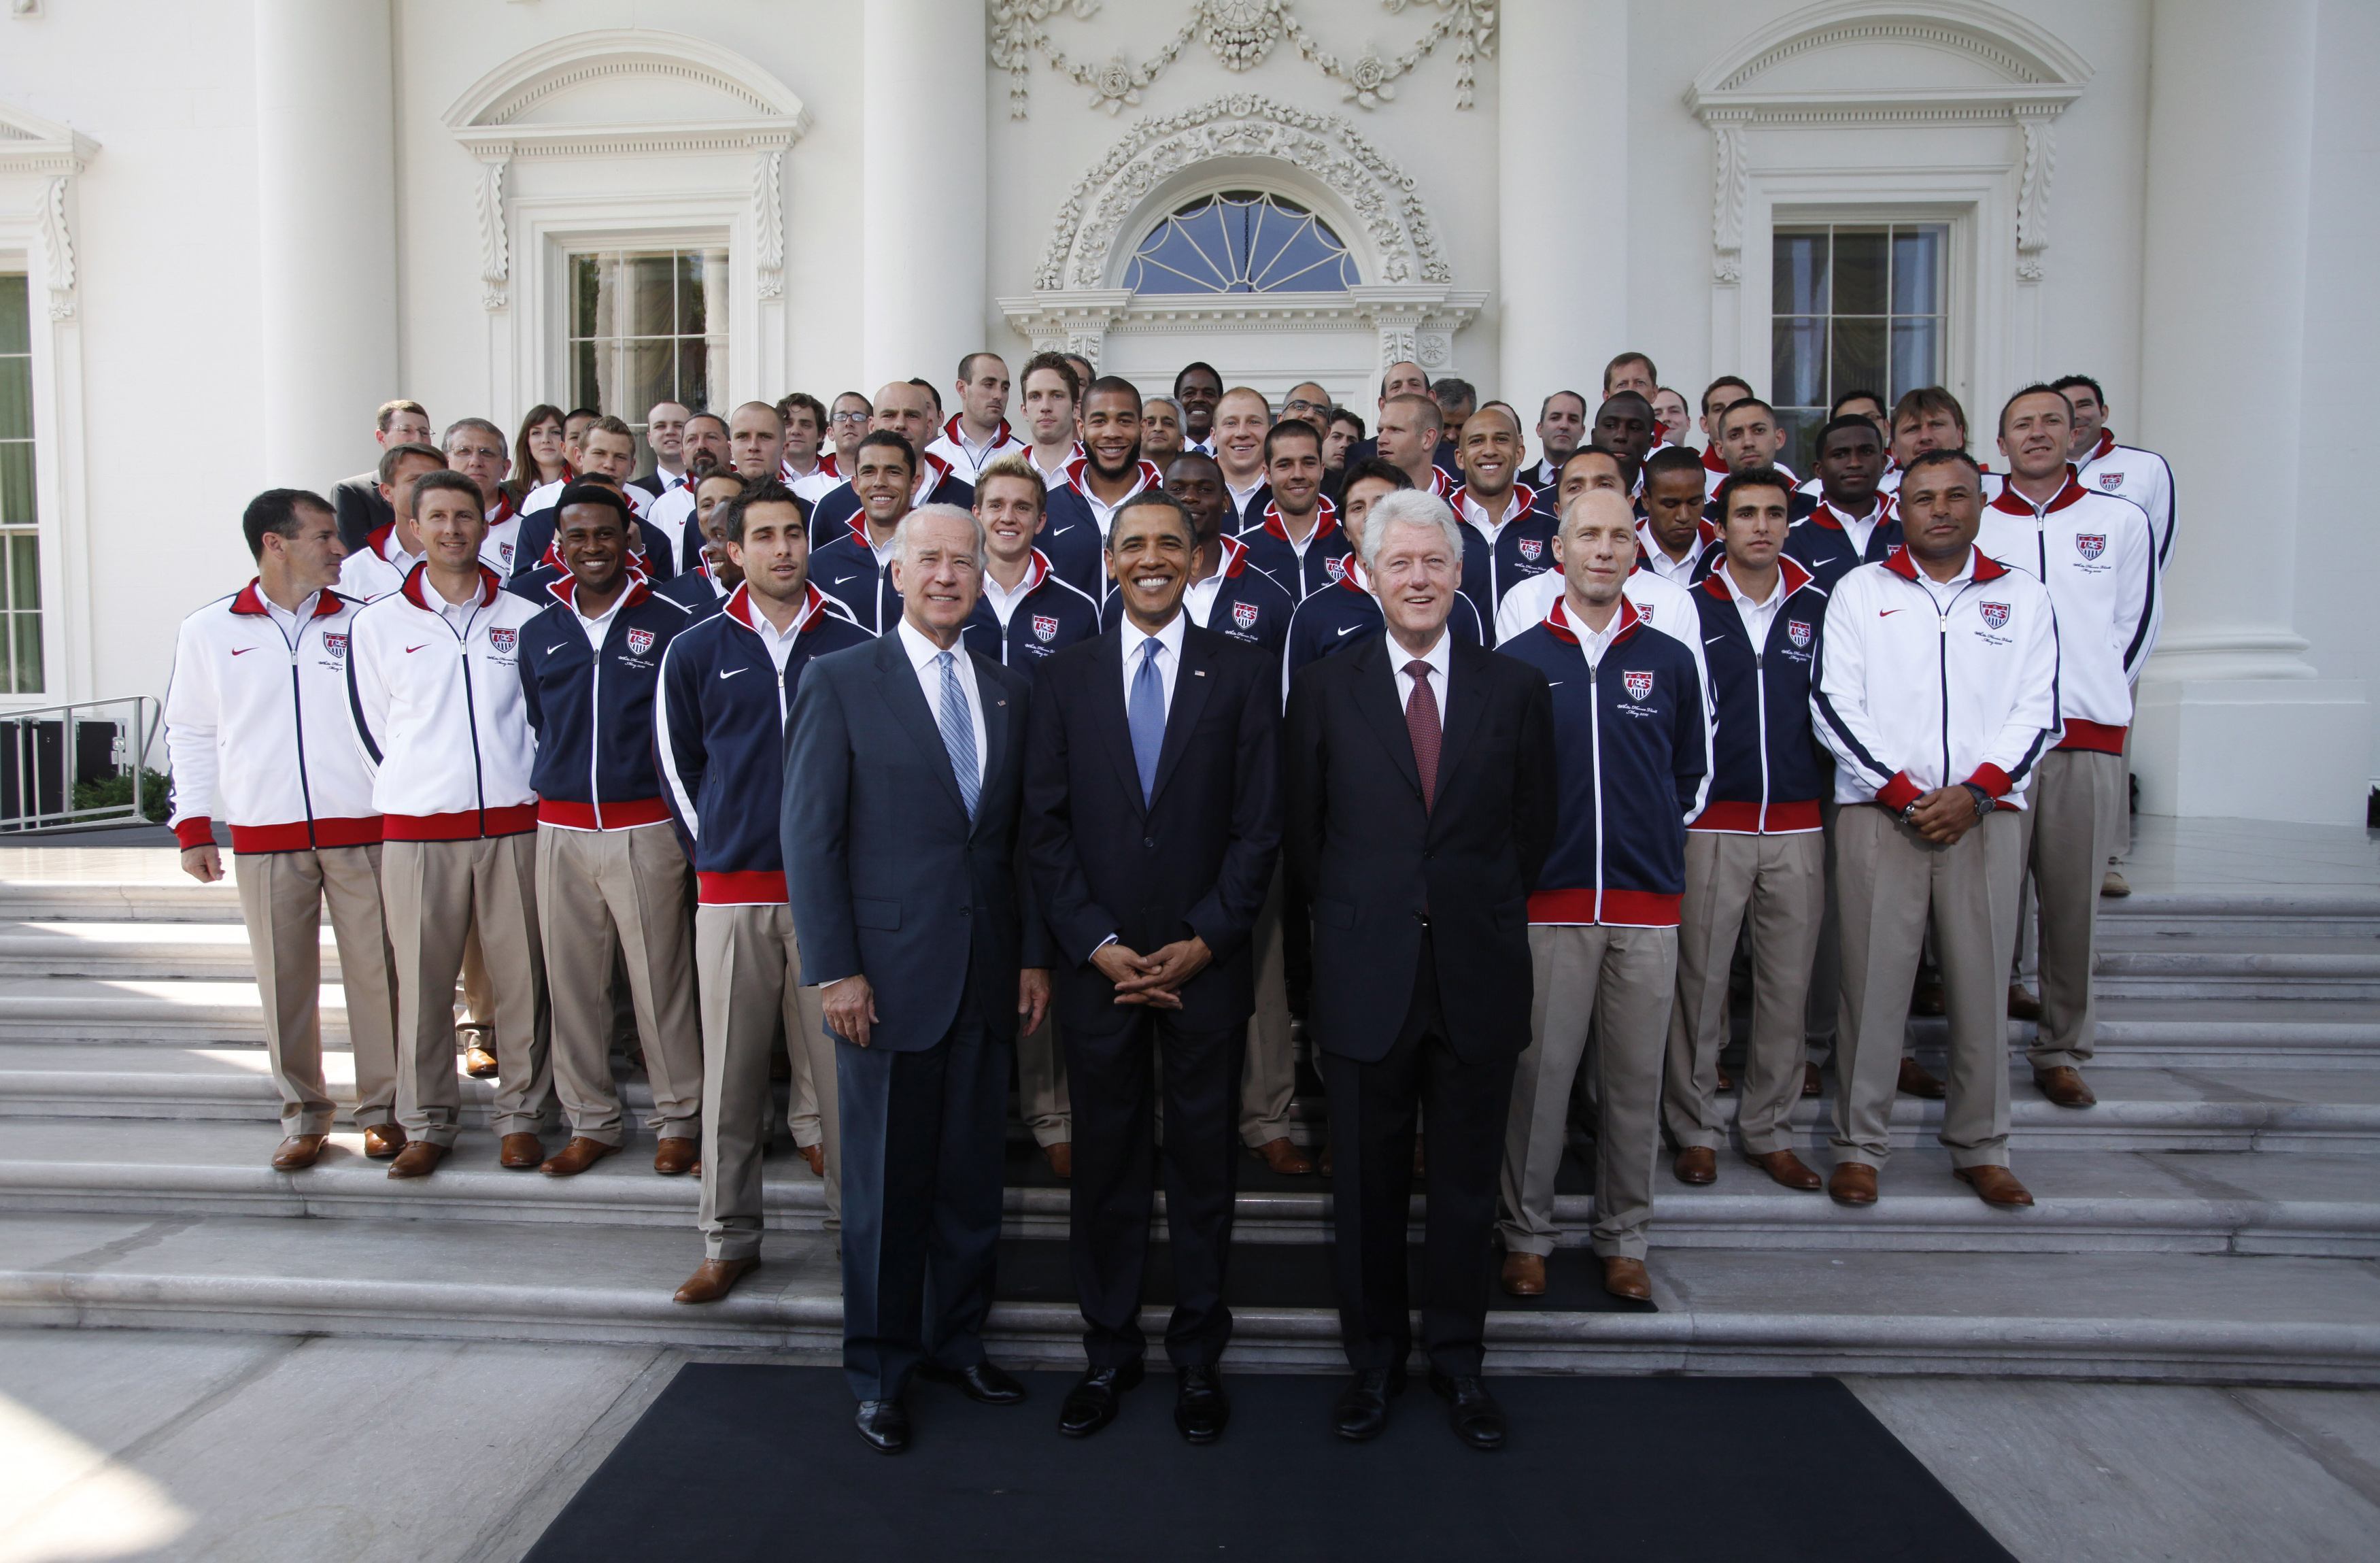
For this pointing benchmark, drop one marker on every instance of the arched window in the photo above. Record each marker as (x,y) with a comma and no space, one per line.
(1240,241)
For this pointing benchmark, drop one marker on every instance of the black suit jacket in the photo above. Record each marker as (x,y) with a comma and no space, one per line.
(1197,858)
(360,509)
(885,873)
(1372,860)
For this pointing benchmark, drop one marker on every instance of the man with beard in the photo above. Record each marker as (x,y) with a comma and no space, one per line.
(706,448)
(1502,540)
(1098,481)
(1749,438)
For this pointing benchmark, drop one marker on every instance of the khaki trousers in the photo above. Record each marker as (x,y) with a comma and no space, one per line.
(1892,883)
(749,970)
(1268,1072)
(1781,882)
(437,894)
(1621,979)
(478,995)
(281,897)
(609,898)
(1043,1099)
(2069,822)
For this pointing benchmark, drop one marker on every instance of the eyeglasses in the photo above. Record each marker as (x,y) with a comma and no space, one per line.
(849,418)
(1297,408)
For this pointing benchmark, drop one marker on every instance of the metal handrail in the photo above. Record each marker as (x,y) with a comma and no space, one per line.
(40,751)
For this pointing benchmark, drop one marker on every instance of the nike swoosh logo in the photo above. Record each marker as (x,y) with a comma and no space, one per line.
(410,650)
(1056,531)
(730,673)
(1885,613)
(242,651)
(841,578)
(1351,630)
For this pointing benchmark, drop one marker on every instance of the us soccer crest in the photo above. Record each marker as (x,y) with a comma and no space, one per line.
(1530,547)
(336,645)
(1640,685)
(1244,614)
(1644,611)
(2111,480)
(1995,615)
(502,641)
(1799,633)
(639,641)
(1045,628)
(504,551)
(2090,544)
(1335,568)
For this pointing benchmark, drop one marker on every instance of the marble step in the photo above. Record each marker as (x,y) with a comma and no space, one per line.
(166,896)
(2308,1203)
(2192,966)
(2139,1109)
(2207,1033)
(2182,1317)
(2251,913)
(152,951)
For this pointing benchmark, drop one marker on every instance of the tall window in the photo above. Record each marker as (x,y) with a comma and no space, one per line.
(20,546)
(1241,242)
(1857,306)
(646,326)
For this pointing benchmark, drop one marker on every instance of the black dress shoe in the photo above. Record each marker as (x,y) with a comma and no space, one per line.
(1478,1420)
(984,1383)
(1363,1408)
(1095,1398)
(884,1425)
(1200,1407)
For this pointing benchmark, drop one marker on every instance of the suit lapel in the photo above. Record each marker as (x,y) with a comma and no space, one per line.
(1190,683)
(1465,702)
(897,681)
(1376,696)
(1108,713)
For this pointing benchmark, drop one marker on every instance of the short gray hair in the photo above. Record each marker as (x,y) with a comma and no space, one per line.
(901,533)
(1147,402)
(1411,508)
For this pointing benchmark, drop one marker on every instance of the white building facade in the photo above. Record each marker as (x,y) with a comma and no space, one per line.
(230,229)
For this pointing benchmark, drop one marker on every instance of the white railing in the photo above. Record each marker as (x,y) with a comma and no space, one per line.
(76,765)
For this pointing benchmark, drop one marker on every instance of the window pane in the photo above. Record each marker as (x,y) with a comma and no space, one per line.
(1916,355)
(1800,275)
(1859,271)
(1858,358)
(16,484)
(1240,241)
(651,296)
(16,397)
(585,290)
(25,574)
(1917,271)
(688,320)
(1801,425)
(1798,362)
(649,326)
(16,315)
(693,373)
(28,638)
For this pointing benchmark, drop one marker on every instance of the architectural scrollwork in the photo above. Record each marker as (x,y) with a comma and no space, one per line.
(495,239)
(768,220)
(1240,34)
(57,247)
(2033,194)
(1730,183)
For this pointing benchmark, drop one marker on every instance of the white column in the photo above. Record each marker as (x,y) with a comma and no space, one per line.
(326,220)
(923,295)
(2233,720)
(1561,131)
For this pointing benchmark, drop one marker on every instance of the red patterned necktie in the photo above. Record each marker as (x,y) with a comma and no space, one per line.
(1421,725)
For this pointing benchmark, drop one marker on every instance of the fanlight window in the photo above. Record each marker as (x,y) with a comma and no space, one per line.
(1241,242)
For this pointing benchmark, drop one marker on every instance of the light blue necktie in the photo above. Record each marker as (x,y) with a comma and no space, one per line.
(958,731)
(1145,714)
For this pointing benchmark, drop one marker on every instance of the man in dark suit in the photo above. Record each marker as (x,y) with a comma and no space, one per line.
(1418,791)
(361,508)
(1152,818)
(904,774)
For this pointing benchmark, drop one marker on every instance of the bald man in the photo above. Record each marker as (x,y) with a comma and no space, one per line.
(909,409)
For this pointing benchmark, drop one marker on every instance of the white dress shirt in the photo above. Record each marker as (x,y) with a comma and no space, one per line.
(599,626)
(781,642)
(285,620)
(1198,602)
(1169,657)
(1758,615)
(922,653)
(1593,644)
(1004,601)
(1440,658)
(1944,593)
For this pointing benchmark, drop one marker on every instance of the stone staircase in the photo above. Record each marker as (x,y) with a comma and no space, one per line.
(2217,1217)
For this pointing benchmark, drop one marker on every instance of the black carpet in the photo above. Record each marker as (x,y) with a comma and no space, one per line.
(1296,1275)
(737,1462)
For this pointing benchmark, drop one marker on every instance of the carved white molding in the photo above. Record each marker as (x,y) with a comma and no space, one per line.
(2037,77)
(1416,323)
(54,155)
(768,220)
(58,249)
(495,242)
(1380,197)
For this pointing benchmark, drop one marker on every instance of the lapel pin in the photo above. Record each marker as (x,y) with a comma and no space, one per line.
(1197,673)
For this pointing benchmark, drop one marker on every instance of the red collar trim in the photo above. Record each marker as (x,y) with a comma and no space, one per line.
(1000,436)
(1713,461)
(1356,579)
(2015,504)
(1828,516)
(1326,520)
(382,539)
(1794,576)
(250,600)
(1234,558)
(417,592)
(565,590)
(503,512)
(2107,443)
(1557,621)
(738,607)
(1523,499)
(1900,564)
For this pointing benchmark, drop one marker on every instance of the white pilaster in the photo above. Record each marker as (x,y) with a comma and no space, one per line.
(2232,718)
(922,209)
(1562,122)
(326,213)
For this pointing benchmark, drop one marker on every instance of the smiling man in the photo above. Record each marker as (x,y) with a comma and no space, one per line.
(607,452)
(1296,538)
(906,408)
(1107,473)
(1503,542)
(1241,419)
(1196,389)
(1151,884)
(850,565)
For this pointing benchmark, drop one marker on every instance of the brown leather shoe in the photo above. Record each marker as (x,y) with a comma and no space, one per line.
(1283,1156)
(2064,1087)
(418,1159)
(1696,1164)
(1525,1274)
(2022,1005)
(299,1152)
(1851,1183)
(1787,1169)
(519,1152)
(1626,1278)
(1725,1081)
(714,1278)
(814,1157)
(1995,1185)
(676,1156)
(383,1141)
(1060,1157)
(1916,1079)
(478,1063)
(573,1158)
(1926,997)
(1810,1079)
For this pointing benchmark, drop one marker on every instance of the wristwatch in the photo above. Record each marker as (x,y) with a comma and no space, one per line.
(1983,801)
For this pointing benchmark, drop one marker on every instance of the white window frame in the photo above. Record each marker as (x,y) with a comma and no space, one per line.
(560,376)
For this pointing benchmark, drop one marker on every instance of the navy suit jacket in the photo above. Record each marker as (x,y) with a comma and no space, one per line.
(1196,857)
(885,874)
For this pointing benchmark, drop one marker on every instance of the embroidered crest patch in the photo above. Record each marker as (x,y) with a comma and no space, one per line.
(1799,633)
(2090,544)
(2111,480)
(1530,547)
(504,551)
(1640,685)
(336,645)
(639,641)
(502,641)
(1244,614)
(1995,615)
(1334,566)
(1045,628)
